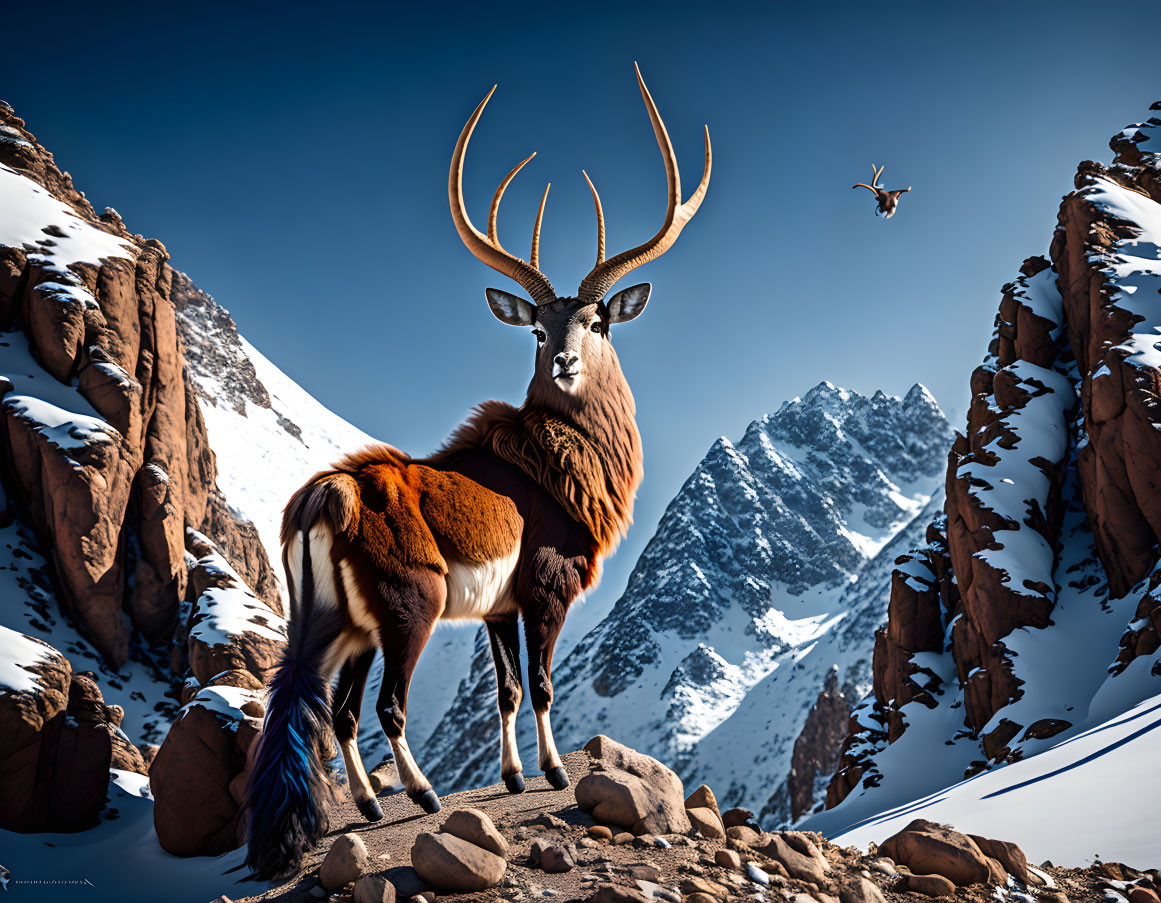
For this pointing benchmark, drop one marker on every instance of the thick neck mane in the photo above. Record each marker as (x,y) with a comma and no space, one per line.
(587,455)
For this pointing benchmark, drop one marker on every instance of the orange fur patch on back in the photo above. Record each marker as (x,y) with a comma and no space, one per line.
(478,524)
(392,530)
(405,515)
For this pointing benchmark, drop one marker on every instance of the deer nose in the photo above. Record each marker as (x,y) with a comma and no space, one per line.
(567,360)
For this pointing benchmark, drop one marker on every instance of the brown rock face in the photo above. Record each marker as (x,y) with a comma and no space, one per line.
(195,813)
(816,751)
(1118,465)
(58,743)
(924,599)
(1073,336)
(111,496)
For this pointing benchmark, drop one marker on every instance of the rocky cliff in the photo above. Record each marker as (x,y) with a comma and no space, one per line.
(1030,614)
(116,534)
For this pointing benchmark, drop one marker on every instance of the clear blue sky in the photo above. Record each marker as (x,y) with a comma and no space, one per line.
(295,164)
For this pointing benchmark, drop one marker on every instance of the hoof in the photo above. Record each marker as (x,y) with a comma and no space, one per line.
(428,801)
(371,809)
(514,783)
(557,778)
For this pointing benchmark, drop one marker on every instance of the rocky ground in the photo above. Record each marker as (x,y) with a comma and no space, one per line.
(554,847)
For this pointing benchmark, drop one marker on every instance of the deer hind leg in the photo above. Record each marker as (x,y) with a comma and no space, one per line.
(505,638)
(348,702)
(413,605)
(540,637)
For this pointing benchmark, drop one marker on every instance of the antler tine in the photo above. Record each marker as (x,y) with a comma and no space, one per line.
(864,185)
(600,219)
(677,214)
(878,173)
(535,257)
(533,281)
(494,212)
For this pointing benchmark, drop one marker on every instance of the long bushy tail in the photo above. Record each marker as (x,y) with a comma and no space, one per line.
(288,790)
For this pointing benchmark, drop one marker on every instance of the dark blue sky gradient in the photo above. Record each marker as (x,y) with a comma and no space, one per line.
(294,161)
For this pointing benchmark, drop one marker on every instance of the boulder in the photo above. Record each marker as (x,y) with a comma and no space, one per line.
(927,885)
(449,863)
(406,881)
(552,857)
(615,893)
(930,849)
(194,812)
(807,847)
(699,885)
(56,747)
(728,859)
(632,789)
(706,822)
(743,834)
(374,889)
(600,832)
(1010,856)
(734,817)
(798,865)
(703,798)
(345,862)
(860,890)
(476,827)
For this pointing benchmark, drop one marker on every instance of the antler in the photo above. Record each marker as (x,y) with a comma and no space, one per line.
(677,214)
(874,186)
(487,248)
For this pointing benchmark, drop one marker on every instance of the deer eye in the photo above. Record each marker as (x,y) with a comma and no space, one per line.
(596,327)
(540,336)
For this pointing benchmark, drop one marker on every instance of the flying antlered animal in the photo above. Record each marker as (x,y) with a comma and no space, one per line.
(887,201)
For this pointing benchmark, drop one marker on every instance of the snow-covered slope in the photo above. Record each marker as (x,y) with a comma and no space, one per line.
(1083,799)
(754,568)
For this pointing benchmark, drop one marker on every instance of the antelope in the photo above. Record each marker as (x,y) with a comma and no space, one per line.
(509,520)
(887,201)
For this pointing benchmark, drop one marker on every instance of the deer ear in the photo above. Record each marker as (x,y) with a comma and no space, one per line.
(628,303)
(510,309)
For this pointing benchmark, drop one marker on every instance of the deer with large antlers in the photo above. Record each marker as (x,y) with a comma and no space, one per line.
(509,520)
(887,201)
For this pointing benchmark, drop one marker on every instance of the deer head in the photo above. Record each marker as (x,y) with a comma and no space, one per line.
(574,355)
(888,201)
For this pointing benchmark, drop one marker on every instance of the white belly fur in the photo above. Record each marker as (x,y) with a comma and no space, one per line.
(477,590)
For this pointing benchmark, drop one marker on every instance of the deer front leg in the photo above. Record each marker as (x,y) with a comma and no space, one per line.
(540,636)
(505,639)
